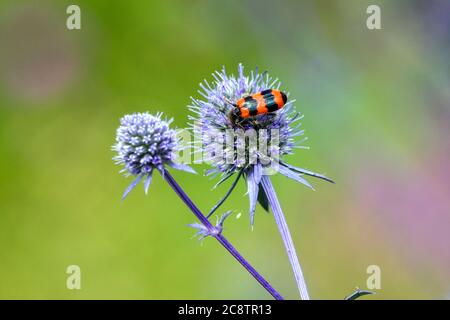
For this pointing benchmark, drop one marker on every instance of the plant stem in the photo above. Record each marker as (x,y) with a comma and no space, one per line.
(219,237)
(226,195)
(286,236)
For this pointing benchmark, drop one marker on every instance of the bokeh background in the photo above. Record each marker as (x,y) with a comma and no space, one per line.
(377,114)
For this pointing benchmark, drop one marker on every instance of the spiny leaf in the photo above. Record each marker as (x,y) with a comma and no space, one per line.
(262,198)
(357,294)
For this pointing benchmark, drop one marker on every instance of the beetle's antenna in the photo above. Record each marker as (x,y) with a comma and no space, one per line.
(229,101)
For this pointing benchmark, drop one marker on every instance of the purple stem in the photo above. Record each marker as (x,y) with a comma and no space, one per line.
(286,236)
(219,237)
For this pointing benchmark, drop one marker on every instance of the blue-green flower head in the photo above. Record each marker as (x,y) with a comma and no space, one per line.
(145,142)
(212,121)
(278,131)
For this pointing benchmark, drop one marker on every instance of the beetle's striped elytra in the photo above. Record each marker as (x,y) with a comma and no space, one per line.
(263,102)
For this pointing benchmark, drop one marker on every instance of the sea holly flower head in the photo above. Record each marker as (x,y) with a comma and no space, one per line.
(212,122)
(252,147)
(145,142)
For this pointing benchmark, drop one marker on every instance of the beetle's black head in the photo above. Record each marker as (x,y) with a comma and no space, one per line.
(234,115)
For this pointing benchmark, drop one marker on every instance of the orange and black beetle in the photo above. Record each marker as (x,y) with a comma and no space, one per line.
(258,103)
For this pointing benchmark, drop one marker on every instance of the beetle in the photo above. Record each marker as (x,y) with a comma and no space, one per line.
(263,102)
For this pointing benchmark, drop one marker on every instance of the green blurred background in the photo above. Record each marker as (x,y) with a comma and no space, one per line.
(376,106)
